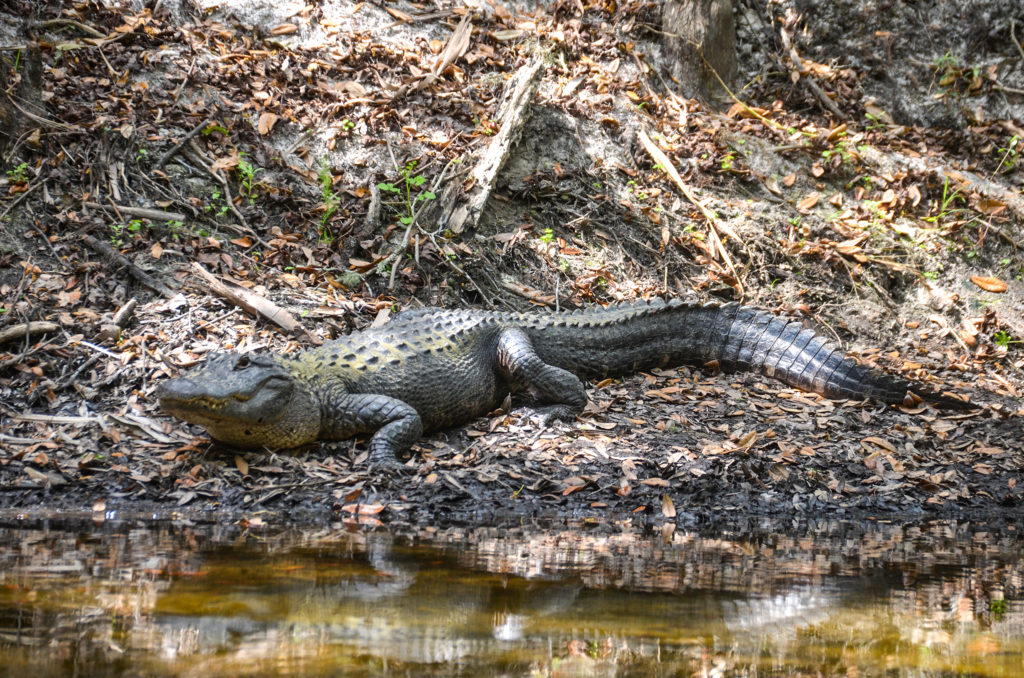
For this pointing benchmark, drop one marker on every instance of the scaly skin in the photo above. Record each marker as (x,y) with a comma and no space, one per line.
(431,368)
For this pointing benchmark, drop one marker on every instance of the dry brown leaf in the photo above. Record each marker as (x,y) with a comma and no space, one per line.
(363,509)
(654,482)
(242,465)
(283,29)
(808,202)
(266,122)
(667,507)
(878,442)
(227,162)
(508,35)
(398,14)
(989,284)
(914,193)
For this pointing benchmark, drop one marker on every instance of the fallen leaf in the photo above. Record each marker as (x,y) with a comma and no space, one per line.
(989,284)
(283,29)
(242,465)
(808,202)
(878,442)
(667,507)
(266,122)
(914,193)
(654,482)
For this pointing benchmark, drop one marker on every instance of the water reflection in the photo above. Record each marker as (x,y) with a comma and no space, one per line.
(833,599)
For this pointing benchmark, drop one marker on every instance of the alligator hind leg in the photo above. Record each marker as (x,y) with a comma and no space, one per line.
(525,370)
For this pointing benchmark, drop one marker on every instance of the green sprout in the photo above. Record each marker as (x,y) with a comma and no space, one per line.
(410,182)
(248,172)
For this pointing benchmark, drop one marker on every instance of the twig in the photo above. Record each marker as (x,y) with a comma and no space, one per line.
(809,80)
(142,212)
(177,147)
(24,194)
(228,200)
(178,90)
(415,216)
(458,269)
(1013,36)
(248,301)
(26,329)
(660,158)
(70,22)
(46,122)
(111,254)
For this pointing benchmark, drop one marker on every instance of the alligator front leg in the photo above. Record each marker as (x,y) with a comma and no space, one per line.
(395,424)
(550,384)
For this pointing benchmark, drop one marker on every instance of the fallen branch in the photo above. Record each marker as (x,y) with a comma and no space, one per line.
(458,212)
(141,212)
(660,158)
(113,256)
(809,80)
(21,330)
(177,147)
(250,302)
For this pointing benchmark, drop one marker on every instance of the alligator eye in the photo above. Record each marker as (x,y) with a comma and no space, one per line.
(242,362)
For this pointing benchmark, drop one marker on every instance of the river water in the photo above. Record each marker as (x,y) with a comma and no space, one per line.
(113,597)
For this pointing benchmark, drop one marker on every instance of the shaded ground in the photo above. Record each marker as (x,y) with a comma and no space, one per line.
(901,240)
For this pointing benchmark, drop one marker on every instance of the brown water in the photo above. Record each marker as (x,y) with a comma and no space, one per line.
(116,598)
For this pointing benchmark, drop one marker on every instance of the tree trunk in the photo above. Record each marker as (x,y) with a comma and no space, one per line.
(700,41)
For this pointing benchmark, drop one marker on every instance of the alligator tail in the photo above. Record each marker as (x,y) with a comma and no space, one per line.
(743,338)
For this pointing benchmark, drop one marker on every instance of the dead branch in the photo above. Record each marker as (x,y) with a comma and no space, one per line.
(177,147)
(250,302)
(459,212)
(141,212)
(660,158)
(809,80)
(112,255)
(21,330)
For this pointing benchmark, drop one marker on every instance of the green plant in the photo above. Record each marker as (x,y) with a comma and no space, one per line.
(874,122)
(1010,155)
(118,231)
(413,189)
(216,197)
(18,174)
(347,125)
(247,171)
(175,228)
(330,199)
(946,203)
(945,61)
(215,128)
(548,236)
(1004,339)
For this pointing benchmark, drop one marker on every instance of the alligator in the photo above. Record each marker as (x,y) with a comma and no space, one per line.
(432,368)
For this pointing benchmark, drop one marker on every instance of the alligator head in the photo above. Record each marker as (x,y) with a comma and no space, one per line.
(244,401)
